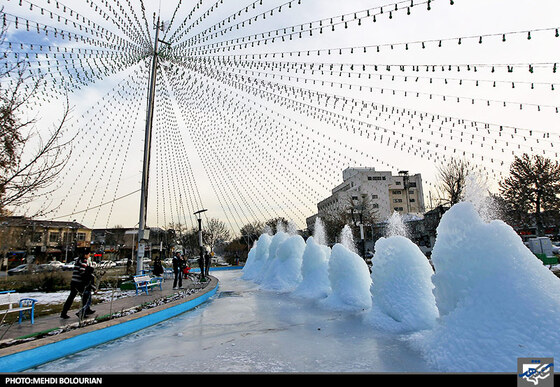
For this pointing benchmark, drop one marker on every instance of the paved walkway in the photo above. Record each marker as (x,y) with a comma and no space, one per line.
(150,303)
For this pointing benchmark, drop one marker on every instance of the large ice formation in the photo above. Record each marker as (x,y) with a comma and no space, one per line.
(496,300)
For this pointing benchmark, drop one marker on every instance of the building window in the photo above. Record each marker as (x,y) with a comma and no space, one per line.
(412,184)
(54,237)
(412,200)
(397,192)
(375,205)
(81,236)
(397,200)
(398,209)
(397,182)
(354,198)
(374,196)
(37,237)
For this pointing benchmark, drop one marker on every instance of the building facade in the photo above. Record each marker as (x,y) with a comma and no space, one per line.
(22,239)
(384,192)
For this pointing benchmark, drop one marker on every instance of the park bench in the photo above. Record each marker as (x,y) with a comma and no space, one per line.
(8,299)
(143,282)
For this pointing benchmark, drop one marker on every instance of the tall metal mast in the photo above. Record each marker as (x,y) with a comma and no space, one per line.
(142,238)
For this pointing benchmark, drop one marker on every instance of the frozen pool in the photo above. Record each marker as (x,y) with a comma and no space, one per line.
(243,329)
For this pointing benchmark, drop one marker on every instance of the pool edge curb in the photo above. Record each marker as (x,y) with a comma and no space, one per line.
(28,355)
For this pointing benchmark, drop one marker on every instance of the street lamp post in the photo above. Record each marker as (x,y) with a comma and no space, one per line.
(201,264)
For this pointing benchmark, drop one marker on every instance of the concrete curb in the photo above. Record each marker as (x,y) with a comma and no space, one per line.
(28,355)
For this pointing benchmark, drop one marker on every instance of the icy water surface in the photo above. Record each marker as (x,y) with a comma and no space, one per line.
(243,329)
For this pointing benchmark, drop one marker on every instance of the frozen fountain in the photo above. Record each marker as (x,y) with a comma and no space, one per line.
(401,290)
(315,282)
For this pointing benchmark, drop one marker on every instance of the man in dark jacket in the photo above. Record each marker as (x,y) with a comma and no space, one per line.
(77,283)
(88,281)
(207,260)
(177,270)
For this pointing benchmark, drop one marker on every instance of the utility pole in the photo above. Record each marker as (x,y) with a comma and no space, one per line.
(405,177)
(202,265)
(142,240)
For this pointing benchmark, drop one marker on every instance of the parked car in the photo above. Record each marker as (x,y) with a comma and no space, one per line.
(56,265)
(21,269)
(69,265)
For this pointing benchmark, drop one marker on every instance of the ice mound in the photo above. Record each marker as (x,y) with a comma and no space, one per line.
(401,287)
(256,258)
(350,281)
(497,302)
(284,272)
(275,241)
(315,282)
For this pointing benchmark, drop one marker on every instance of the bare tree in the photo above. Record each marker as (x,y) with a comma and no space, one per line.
(216,233)
(361,210)
(25,174)
(452,179)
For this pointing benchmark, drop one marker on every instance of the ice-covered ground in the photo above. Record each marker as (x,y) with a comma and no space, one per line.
(244,329)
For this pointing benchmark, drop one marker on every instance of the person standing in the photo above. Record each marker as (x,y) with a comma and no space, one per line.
(201,265)
(77,283)
(177,270)
(207,259)
(158,268)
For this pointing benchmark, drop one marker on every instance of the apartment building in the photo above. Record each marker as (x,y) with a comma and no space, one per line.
(385,193)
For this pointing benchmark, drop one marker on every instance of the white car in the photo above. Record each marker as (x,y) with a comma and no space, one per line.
(56,264)
(69,265)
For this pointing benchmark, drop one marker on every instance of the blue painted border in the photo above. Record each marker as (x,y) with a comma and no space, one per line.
(217,268)
(33,357)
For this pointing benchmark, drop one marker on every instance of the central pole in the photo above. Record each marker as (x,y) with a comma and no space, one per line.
(142,238)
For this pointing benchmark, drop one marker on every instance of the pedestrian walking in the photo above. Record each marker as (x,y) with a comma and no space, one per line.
(77,283)
(89,287)
(177,270)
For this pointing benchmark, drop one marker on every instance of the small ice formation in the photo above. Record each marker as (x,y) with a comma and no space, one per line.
(256,258)
(284,271)
(350,281)
(315,283)
(401,287)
